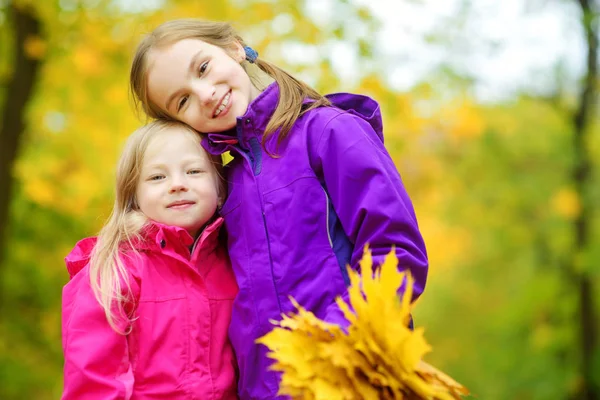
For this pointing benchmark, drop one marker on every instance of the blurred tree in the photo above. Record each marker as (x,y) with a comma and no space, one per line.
(578,264)
(26,32)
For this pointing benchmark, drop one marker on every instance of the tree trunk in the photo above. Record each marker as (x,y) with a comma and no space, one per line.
(581,180)
(19,89)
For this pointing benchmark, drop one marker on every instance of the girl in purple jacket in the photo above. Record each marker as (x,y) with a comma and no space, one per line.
(310,183)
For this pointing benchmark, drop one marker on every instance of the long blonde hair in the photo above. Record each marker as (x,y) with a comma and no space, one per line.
(292,92)
(108,274)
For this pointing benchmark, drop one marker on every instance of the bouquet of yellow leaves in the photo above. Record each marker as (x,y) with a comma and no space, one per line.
(378,358)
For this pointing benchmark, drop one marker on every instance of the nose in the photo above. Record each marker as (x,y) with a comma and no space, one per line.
(205,91)
(178,184)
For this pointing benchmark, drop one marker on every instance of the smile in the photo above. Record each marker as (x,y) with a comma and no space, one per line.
(181,204)
(223,105)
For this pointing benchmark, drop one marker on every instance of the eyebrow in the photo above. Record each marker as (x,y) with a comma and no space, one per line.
(190,71)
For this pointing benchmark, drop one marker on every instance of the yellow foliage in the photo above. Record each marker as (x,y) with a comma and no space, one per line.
(378,358)
(116,94)
(88,61)
(463,121)
(41,191)
(449,244)
(566,203)
(402,119)
(263,12)
(35,47)
(82,188)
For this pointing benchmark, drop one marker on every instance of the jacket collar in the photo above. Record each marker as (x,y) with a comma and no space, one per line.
(154,237)
(157,237)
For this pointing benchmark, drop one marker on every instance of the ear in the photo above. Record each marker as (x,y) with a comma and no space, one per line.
(238,54)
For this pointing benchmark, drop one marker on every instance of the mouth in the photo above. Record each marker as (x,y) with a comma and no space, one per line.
(181,204)
(223,106)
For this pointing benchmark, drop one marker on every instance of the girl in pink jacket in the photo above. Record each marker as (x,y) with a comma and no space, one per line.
(146,312)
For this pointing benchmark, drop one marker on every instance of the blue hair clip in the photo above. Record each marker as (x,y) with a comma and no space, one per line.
(251,54)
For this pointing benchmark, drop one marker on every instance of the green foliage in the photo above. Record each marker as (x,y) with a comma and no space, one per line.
(515,333)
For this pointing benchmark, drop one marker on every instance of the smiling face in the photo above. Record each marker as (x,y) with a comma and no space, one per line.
(178,185)
(200,84)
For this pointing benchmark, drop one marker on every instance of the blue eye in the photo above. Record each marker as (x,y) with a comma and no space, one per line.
(156,177)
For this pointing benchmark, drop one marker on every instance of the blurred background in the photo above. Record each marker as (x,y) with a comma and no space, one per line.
(490,113)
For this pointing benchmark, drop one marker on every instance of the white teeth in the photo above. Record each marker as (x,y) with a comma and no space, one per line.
(223,104)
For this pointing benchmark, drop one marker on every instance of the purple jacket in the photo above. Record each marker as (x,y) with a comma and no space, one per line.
(294,222)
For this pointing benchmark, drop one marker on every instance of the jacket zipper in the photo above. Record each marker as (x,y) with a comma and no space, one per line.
(327,216)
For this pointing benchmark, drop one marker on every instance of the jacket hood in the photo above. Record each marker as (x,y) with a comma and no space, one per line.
(80,255)
(361,106)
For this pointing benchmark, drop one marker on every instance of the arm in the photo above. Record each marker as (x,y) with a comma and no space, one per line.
(96,357)
(370,200)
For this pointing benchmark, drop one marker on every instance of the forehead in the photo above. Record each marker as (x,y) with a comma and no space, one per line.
(179,48)
(174,144)
(176,56)
(169,67)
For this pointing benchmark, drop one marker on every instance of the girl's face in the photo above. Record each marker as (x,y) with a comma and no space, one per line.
(178,185)
(200,84)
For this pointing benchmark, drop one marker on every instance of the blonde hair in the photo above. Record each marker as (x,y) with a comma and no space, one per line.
(108,274)
(292,92)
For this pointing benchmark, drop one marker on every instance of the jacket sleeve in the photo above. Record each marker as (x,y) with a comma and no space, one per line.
(370,200)
(96,356)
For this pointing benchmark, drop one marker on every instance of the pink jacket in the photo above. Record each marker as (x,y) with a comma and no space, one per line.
(178,346)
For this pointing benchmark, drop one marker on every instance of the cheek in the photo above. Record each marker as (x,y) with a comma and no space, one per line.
(211,191)
(219,189)
(210,195)
(193,117)
(236,74)
(144,200)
